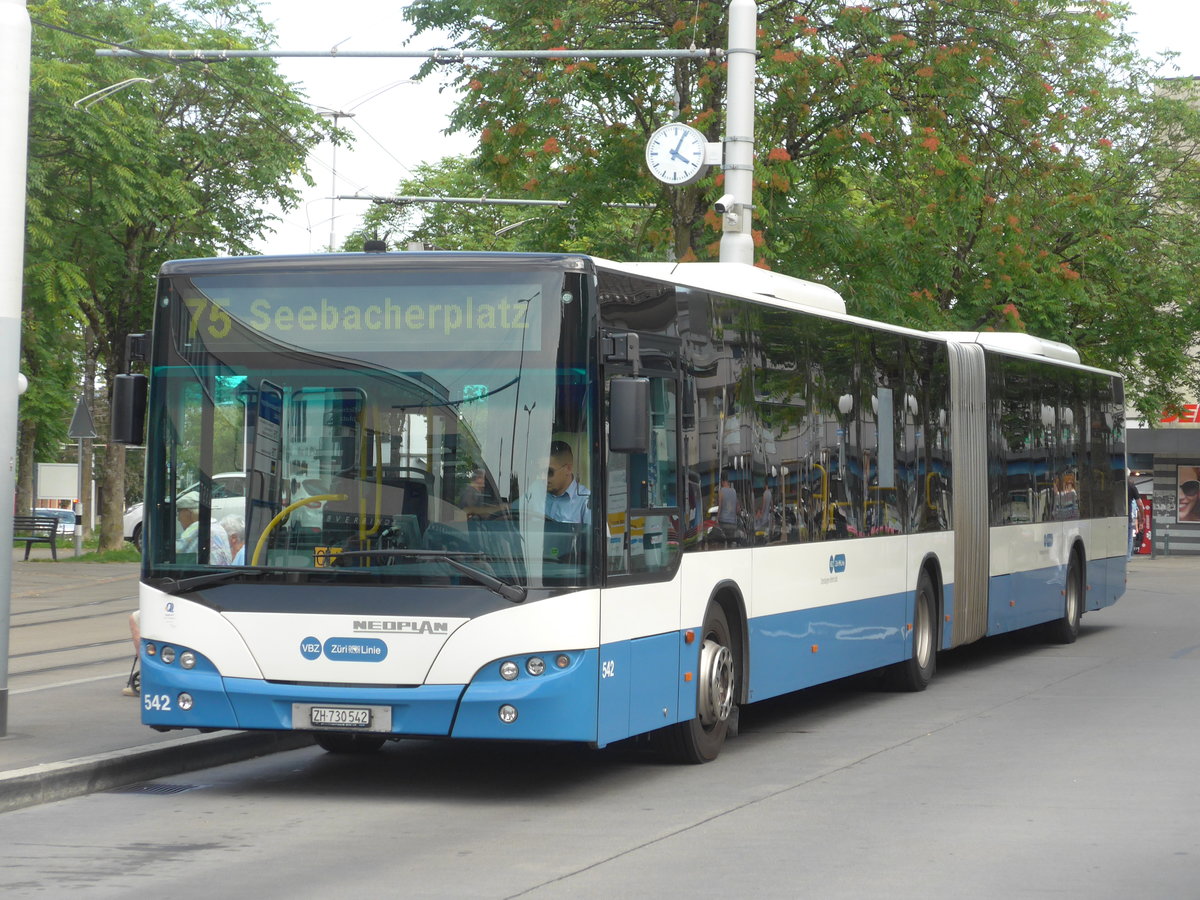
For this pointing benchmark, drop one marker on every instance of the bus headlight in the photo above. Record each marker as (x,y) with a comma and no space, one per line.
(509,670)
(535,665)
(167,655)
(187,659)
(508,714)
(185,701)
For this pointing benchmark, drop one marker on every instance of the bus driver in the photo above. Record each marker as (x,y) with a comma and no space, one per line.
(567,500)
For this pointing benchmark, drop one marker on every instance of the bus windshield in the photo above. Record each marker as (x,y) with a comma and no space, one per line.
(394,424)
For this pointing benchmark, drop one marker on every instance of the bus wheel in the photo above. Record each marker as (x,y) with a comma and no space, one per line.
(342,742)
(915,673)
(1066,629)
(699,740)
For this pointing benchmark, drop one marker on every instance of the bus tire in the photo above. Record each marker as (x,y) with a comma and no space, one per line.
(699,740)
(343,742)
(1066,629)
(915,673)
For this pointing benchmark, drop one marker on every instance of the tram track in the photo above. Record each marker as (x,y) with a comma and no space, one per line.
(28,663)
(125,660)
(57,635)
(69,649)
(120,602)
(64,619)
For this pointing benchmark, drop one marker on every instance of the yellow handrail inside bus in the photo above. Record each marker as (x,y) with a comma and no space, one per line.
(282,514)
(363,531)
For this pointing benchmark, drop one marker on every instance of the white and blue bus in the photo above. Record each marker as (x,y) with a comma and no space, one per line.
(556,498)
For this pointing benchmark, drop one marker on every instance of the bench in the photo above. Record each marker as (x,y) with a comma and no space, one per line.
(36,530)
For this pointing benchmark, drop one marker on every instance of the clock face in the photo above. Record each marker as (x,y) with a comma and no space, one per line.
(675,154)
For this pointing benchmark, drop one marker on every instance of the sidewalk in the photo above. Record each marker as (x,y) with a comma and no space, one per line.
(70,730)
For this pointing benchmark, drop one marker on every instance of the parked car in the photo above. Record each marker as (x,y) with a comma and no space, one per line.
(228,496)
(65,517)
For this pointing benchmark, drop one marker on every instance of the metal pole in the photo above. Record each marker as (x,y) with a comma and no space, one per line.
(77,506)
(14,131)
(480,201)
(333,194)
(737,242)
(439,55)
(1153,523)
(335,115)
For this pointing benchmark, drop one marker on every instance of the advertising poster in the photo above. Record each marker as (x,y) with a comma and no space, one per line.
(1188,490)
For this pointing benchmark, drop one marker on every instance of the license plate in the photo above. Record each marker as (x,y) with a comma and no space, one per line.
(340,716)
(318,716)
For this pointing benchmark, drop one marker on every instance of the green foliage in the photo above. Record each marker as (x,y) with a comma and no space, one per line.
(575,129)
(982,165)
(180,163)
(972,164)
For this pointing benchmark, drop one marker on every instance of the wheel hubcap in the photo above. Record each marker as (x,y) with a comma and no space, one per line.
(1072,598)
(716,682)
(924,634)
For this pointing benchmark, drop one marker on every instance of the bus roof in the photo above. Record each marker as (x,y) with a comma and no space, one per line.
(1015,343)
(738,279)
(209,265)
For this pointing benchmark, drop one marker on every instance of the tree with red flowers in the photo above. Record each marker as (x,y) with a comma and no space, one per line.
(971,164)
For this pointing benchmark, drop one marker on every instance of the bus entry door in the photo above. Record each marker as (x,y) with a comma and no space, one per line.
(640,673)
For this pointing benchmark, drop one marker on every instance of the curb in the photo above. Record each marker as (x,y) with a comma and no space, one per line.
(48,782)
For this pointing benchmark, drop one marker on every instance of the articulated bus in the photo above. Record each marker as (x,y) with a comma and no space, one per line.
(556,498)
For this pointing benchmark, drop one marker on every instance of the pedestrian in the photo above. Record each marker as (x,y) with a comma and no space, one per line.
(133,687)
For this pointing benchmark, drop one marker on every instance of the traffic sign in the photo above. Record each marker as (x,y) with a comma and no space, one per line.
(82,426)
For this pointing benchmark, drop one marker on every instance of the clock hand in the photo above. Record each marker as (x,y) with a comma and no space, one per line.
(675,154)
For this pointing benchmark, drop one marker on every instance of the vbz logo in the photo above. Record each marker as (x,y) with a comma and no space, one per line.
(310,648)
(837,563)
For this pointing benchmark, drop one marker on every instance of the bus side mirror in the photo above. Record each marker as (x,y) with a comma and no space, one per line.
(128,409)
(629,415)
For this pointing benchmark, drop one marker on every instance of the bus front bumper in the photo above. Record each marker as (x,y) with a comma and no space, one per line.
(560,704)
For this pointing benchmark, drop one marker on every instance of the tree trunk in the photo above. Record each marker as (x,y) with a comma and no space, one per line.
(26,463)
(108,467)
(89,399)
(111,468)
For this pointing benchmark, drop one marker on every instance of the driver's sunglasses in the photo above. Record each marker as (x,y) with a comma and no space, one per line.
(1190,488)
(550,471)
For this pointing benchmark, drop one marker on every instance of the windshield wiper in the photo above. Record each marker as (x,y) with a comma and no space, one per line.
(514,593)
(196,582)
(170,585)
